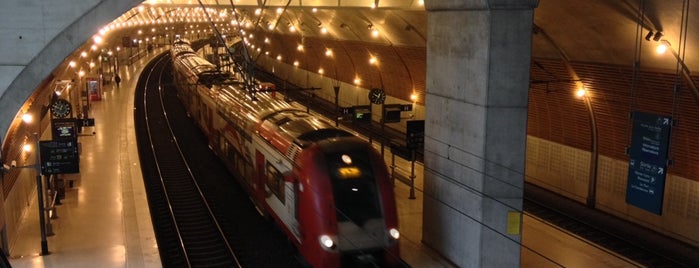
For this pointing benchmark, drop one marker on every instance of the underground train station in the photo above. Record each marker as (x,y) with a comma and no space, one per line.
(362,133)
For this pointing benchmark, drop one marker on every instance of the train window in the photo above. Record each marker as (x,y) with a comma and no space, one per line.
(275,182)
(354,187)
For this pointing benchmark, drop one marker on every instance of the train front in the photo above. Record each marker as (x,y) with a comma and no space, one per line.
(353,221)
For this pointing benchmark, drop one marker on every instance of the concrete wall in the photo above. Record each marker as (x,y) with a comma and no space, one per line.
(475,129)
(37,36)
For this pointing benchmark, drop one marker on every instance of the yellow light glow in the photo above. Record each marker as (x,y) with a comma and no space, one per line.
(299,47)
(280,10)
(27,118)
(323,30)
(97,39)
(27,148)
(321,71)
(373,60)
(661,48)
(83,54)
(258,11)
(296,63)
(81,73)
(72,64)
(349,172)
(580,92)
(314,10)
(357,81)
(375,33)
(279,57)
(328,52)
(292,28)
(413,97)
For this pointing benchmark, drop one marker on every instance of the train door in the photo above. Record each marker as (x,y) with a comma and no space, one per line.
(260,178)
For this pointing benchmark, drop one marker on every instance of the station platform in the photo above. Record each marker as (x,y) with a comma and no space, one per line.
(104,218)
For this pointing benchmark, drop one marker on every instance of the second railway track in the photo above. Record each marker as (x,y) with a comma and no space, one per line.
(187,231)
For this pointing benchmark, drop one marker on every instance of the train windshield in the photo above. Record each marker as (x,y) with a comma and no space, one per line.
(354,187)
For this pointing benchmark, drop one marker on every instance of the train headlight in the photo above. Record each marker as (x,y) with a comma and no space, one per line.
(394,233)
(327,242)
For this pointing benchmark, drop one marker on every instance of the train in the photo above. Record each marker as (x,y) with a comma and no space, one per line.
(328,189)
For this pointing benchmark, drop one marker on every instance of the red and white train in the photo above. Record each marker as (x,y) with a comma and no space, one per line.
(328,190)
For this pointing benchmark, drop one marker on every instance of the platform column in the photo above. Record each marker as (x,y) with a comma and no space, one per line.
(478,58)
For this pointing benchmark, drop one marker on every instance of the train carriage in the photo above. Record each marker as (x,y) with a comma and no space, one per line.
(328,190)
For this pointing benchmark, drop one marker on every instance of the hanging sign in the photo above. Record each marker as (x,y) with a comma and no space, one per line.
(648,162)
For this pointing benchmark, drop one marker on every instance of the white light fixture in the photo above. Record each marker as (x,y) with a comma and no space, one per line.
(27,118)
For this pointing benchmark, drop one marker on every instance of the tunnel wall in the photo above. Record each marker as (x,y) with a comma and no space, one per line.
(558,147)
(350,94)
(565,170)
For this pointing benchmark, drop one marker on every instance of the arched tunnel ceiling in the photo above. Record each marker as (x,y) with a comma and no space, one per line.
(593,31)
(400,22)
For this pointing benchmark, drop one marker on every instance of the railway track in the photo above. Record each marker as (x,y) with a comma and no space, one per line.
(595,235)
(187,231)
(256,241)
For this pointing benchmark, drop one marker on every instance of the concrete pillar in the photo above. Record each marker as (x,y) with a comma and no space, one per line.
(478,56)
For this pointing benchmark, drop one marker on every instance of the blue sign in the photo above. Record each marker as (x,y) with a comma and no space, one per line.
(651,134)
(648,163)
(646,185)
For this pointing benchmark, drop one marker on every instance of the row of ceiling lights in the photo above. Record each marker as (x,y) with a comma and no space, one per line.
(197,15)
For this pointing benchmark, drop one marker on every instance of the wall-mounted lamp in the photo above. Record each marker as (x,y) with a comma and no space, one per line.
(662,47)
(27,118)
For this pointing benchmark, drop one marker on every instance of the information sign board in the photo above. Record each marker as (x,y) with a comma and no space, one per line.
(59,157)
(362,113)
(651,134)
(64,129)
(646,185)
(415,133)
(648,162)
